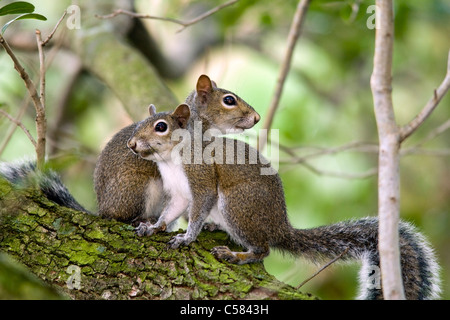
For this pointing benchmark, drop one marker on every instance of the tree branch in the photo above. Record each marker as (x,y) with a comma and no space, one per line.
(7,137)
(323,268)
(185,24)
(438,94)
(303,160)
(355,146)
(425,152)
(37,98)
(87,257)
(20,125)
(23,74)
(41,66)
(50,36)
(342,175)
(41,121)
(389,156)
(358,146)
(294,34)
(39,107)
(433,134)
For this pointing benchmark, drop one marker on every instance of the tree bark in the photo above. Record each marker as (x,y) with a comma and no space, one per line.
(87,257)
(389,154)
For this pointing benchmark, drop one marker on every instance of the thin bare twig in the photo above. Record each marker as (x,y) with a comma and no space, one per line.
(416,149)
(139,15)
(356,146)
(293,36)
(41,122)
(303,160)
(342,175)
(37,98)
(323,268)
(434,133)
(41,66)
(40,151)
(20,125)
(28,83)
(7,137)
(426,152)
(50,36)
(438,94)
(184,24)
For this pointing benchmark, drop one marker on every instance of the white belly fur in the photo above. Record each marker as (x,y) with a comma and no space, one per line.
(176,185)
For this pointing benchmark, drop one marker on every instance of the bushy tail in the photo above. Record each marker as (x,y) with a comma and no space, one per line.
(24,173)
(359,240)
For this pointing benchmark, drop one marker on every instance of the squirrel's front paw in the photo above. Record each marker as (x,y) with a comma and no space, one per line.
(224,253)
(144,229)
(147,229)
(178,240)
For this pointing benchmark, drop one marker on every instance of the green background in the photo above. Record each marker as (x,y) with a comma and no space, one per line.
(326,103)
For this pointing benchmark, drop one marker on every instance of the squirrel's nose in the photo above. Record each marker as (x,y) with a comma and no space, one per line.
(131,143)
(257,118)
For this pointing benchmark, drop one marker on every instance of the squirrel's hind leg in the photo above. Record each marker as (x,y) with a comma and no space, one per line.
(251,256)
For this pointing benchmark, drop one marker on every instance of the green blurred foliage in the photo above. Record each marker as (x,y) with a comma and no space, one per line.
(17,282)
(326,103)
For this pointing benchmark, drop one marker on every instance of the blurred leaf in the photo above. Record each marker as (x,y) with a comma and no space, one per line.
(17,8)
(23,17)
(266,19)
(18,283)
(36,16)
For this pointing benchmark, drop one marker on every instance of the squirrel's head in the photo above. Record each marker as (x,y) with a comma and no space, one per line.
(152,137)
(222,109)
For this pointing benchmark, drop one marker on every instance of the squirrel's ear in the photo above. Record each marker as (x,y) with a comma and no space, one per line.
(152,110)
(182,114)
(204,87)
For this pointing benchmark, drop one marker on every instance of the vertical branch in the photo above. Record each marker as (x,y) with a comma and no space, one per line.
(37,98)
(40,111)
(389,154)
(294,33)
(41,122)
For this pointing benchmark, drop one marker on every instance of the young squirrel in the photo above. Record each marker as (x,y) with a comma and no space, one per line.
(251,208)
(128,187)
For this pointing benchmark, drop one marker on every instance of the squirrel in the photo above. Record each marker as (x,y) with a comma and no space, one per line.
(128,188)
(251,208)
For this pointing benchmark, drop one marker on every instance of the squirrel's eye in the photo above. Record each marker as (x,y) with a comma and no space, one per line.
(229,100)
(161,127)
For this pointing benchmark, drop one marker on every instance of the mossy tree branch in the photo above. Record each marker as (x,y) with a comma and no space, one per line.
(62,246)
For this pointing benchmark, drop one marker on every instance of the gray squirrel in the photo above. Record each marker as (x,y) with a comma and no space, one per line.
(128,188)
(251,208)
